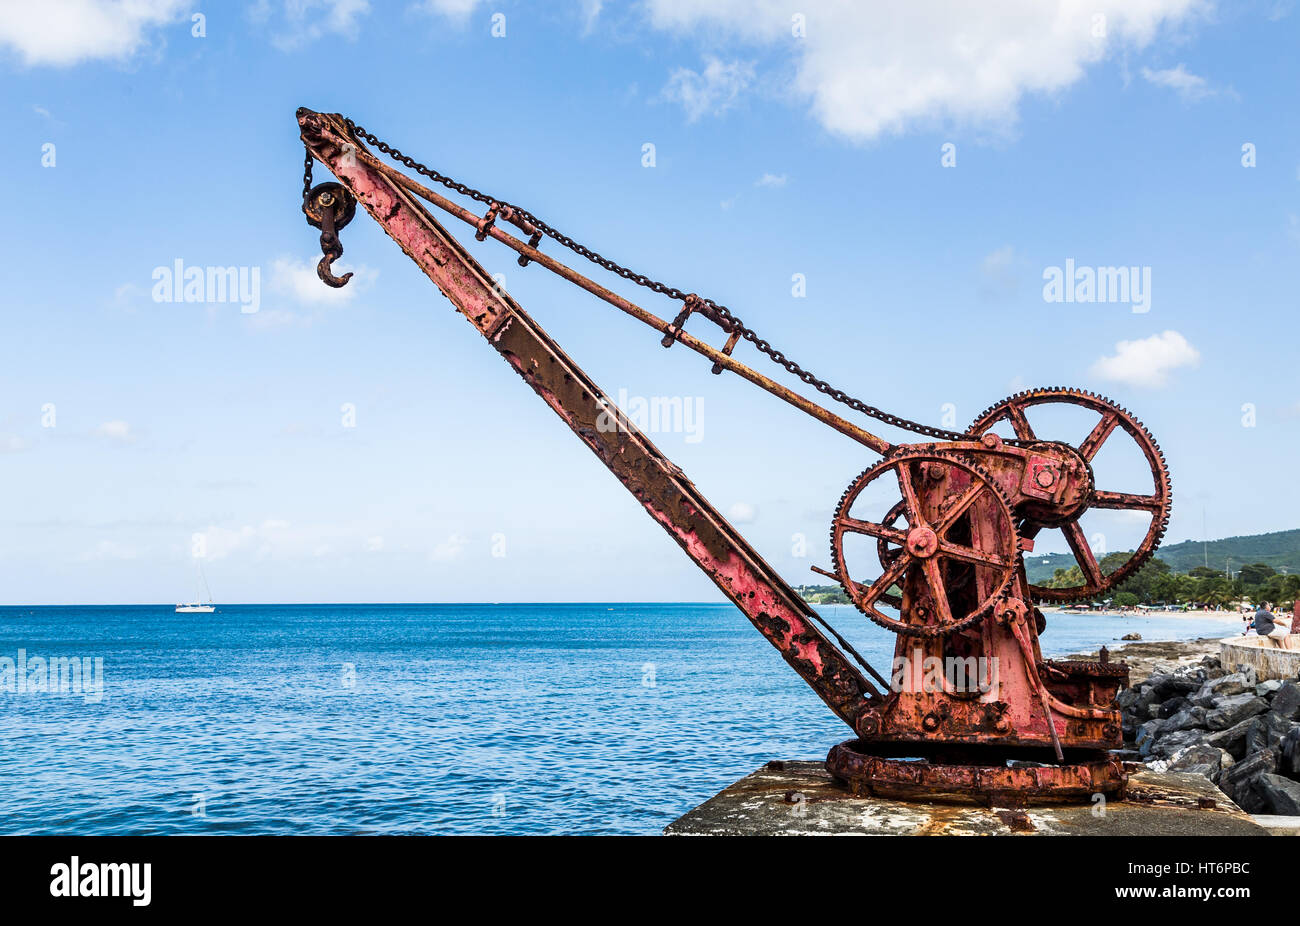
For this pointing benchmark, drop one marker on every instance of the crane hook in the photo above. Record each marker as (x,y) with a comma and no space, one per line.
(329,207)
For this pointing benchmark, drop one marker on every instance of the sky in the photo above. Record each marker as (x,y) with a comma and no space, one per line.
(886,192)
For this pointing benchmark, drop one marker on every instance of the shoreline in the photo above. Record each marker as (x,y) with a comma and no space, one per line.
(1144,656)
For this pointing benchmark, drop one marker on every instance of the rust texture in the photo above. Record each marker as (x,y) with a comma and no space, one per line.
(950,580)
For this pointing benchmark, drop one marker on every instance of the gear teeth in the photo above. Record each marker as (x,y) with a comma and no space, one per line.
(1151,450)
(868,475)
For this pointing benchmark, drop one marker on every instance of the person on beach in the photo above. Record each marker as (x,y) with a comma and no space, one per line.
(1268,624)
(1263,622)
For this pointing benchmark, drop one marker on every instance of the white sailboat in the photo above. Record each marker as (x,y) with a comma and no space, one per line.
(197,606)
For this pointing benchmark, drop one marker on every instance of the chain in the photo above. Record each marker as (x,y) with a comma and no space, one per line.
(306,173)
(724,316)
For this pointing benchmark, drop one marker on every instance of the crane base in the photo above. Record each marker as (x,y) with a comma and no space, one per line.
(802,799)
(868,768)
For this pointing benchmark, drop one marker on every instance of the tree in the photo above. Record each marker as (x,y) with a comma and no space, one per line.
(1066,578)
(1256,573)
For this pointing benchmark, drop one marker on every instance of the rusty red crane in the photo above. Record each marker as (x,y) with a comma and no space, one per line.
(946,574)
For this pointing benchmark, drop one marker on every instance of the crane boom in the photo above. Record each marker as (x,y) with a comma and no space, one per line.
(774,608)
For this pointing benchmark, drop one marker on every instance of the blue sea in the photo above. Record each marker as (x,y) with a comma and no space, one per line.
(475,718)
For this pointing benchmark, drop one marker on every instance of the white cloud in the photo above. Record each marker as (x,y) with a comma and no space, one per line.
(1187,85)
(294,281)
(458,11)
(873,69)
(772,180)
(119,431)
(449,549)
(305,21)
(1147,362)
(742,513)
(61,33)
(374,544)
(12,443)
(710,92)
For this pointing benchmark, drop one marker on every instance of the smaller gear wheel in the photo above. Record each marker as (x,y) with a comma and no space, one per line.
(930,557)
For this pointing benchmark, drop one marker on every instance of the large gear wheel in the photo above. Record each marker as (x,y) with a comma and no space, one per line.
(951,571)
(1112,417)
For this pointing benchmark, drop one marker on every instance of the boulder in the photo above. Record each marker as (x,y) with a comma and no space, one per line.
(1173,706)
(1166,744)
(1211,662)
(1146,736)
(1267,730)
(1233,739)
(1237,780)
(1203,696)
(1290,747)
(1200,759)
(1242,668)
(1187,719)
(1269,688)
(1281,795)
(1146,697)
(1126,699)
(1234,709)
(1131,636)
(1286,700)
(1236,683)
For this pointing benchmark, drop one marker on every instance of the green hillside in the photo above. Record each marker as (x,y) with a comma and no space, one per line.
(1281,550)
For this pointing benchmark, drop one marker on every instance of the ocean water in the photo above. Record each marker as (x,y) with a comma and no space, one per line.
(305,719)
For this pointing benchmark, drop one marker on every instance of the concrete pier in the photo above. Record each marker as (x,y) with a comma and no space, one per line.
(801,798)
(1270,658)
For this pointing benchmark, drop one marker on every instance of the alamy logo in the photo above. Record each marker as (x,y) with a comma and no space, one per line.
(657,414)
(56,675)
(239,285)
(920,673)
(76,878)
(1130,285)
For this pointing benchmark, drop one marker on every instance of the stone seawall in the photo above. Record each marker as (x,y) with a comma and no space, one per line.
(1269,660)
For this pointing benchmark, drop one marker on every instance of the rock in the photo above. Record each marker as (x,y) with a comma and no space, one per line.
(1228,685)
(1201,759)
(1232,739)
(1182,682)
(1211,662)
(1236,781)
(1204,696)
(1249,671)
(1146,697)
(1290,746)
(1224,686)
(1146,736)
(1282,795)
(1126,698)
(1184,720)
(1173,706)
(1128,727)
(1131,636)
(1234,709)
(1166,744)
(1267,689)
(1286,700)
(1267,730)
